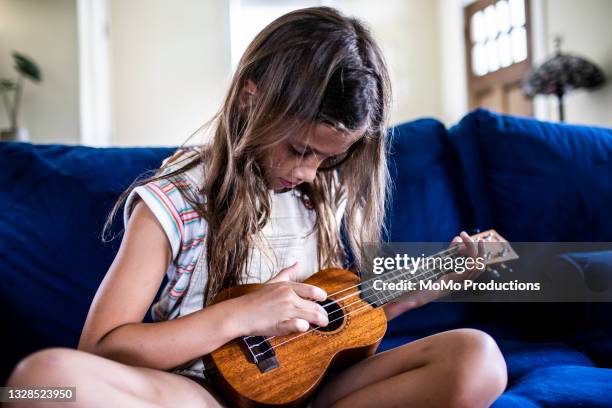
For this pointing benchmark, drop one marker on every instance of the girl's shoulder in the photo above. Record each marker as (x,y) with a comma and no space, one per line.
(173,200)
(181,158)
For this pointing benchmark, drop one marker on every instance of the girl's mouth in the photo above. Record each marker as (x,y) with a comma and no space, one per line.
(286,183)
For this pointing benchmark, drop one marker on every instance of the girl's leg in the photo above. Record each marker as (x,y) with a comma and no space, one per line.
(101,382)
(457,368)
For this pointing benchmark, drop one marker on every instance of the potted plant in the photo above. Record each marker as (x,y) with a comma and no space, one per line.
(11,91)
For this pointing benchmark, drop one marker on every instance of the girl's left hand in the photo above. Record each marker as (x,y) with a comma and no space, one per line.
(470,249)
(419,298)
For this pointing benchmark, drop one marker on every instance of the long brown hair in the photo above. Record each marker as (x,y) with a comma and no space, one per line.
(310,66)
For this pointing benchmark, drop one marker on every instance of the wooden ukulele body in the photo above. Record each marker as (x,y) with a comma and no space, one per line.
(302,362)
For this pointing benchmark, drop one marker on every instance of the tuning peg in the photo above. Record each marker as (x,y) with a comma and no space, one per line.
(495,273)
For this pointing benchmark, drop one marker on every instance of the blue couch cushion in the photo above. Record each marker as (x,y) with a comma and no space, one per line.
(531,362)
(593,269)
(54,200)
(427,202)
(593,336)
(427,205)
(586,274)
(522,357)
(536,181)
(560,386)
(595,342)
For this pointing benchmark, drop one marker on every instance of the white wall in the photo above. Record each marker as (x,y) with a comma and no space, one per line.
(453,72)
(170,62)
(46,31)
(170,66)
(585,27)
(408,33)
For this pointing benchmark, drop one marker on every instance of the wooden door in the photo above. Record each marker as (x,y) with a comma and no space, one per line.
(498,54)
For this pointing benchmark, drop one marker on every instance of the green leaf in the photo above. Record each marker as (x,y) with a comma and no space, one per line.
(27,67)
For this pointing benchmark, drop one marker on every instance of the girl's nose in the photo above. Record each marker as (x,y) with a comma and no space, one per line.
(305,174)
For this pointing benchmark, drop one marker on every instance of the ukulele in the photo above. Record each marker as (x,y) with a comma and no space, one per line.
(259,371)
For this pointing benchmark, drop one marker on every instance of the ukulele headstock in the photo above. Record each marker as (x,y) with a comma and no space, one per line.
(497,248)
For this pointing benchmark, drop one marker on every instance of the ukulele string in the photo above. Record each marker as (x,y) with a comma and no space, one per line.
(386,274)
(443,253)
(309,331)
(343,308)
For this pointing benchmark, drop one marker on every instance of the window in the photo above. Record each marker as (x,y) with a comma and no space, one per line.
(497,42)
(498,36)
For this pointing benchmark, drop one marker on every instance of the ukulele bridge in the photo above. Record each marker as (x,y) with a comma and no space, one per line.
(260,352)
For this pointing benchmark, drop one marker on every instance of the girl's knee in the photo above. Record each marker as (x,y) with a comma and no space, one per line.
(45,366)
(477,368)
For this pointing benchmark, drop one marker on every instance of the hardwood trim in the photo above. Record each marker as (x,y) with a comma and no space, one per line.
(503,77)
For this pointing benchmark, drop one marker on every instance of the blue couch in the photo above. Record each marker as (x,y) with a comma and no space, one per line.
(530,180)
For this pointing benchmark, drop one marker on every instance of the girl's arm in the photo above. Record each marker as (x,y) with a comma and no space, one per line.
(419,298)
(114,327)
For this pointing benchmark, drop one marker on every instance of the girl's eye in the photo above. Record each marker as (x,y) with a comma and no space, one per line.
(296,152)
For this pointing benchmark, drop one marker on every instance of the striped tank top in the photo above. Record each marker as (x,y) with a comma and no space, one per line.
(288,235)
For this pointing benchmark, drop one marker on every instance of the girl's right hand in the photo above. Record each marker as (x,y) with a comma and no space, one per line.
(280,307)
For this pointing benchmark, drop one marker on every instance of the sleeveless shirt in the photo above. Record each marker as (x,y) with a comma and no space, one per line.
(288,237)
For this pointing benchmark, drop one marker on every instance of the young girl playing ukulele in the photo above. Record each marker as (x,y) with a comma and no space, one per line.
(297,152)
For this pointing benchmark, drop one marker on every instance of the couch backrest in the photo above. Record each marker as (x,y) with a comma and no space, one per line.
(53,202)
(536,181)
(428,203)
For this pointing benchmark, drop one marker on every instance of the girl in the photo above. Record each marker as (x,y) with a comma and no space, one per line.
(298,149)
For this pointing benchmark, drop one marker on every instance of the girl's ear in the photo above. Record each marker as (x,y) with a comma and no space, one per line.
(247,94)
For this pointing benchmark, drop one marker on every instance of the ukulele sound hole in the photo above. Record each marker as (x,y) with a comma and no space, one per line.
(335,315)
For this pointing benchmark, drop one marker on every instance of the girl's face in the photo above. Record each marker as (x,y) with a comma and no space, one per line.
(297,159)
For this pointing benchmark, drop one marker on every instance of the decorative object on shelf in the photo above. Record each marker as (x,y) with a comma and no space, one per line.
(26,69)
(562,74)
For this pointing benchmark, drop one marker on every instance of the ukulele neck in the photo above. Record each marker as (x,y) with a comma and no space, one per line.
(381,289)
(389,286)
